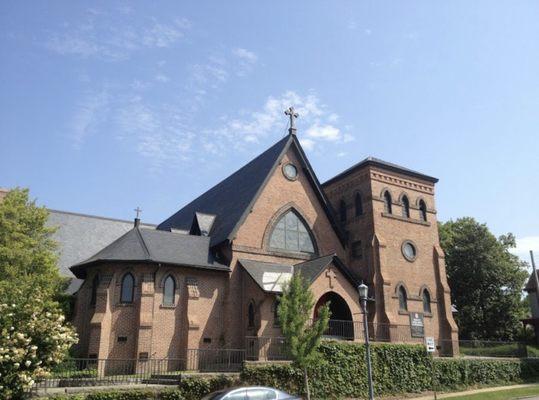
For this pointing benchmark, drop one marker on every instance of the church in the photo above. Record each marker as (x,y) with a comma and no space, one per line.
(210,275)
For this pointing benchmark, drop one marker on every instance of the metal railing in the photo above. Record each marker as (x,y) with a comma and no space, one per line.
(353,330)
(98,372)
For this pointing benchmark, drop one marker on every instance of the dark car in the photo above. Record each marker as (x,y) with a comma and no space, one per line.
(250,393)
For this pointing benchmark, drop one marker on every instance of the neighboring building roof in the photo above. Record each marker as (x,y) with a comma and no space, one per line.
(271,276)
(79,236)
(153,246)
(376,162)
(232,199)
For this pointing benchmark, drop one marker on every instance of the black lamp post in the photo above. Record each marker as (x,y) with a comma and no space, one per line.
(363,298)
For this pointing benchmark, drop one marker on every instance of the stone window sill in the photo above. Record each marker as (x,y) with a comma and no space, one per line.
(168,307)
(125,305)
(404,219)
(427,315)
(404,312)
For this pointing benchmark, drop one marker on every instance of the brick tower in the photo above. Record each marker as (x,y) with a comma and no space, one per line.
(389,215)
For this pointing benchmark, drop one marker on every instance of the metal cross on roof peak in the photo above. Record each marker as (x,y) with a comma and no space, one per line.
(138,210)
(293,115)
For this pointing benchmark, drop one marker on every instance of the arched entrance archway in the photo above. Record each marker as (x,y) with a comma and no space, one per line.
(340,323)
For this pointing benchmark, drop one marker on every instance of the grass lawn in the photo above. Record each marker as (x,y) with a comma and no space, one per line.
(501,395)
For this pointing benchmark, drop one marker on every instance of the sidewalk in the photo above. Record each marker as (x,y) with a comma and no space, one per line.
(468,392)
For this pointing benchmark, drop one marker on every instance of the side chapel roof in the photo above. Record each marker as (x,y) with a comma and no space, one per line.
(149,245)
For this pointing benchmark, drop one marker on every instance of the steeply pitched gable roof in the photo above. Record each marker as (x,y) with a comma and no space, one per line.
(232,199)
(376,162)
(149,245)
(311,269)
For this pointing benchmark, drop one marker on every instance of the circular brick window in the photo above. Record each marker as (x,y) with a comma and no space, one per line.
(409,251)
(290,171)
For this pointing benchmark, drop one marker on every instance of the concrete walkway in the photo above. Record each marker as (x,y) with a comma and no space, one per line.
(469,392)
(88,389)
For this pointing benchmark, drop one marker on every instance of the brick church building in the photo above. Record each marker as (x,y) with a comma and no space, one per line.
(209,276)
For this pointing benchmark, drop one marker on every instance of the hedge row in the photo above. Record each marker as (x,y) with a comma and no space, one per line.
(191,388)
(396,369)
(341,373)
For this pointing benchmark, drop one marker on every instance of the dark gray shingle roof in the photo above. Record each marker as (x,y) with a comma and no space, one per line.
(79,236)
(231,199)
(149,245)
(311,269)
(382,164)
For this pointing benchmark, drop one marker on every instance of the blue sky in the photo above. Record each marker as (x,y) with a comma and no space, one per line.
(109,106)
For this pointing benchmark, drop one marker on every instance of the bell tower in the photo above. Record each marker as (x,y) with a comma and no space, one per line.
(388,213)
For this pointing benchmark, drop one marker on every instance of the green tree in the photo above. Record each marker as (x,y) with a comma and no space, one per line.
(486,280)
(301,338)
(33,337)
(33,333)
(26,246)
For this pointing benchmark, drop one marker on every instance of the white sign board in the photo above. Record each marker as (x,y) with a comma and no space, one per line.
(429,343)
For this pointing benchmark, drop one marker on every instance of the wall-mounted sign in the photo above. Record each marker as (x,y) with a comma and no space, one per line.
(417,327)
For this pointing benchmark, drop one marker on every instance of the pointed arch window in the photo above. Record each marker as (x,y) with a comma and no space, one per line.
(127,288)
(292,234)
(276,320)
(387,202)
(403,299)
(169,291)
(405,207)
(251,315)
(358,205)
(95,284)
(422,211)
(426,301)
(342,211)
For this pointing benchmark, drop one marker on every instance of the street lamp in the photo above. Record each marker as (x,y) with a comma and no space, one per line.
(363,298)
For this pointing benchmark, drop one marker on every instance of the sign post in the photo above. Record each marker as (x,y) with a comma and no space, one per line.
(431,348)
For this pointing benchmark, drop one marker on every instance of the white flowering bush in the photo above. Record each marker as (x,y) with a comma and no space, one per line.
(34,337)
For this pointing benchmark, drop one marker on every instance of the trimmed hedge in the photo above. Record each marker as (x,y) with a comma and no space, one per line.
(396,369)
(341,373)
(190,388)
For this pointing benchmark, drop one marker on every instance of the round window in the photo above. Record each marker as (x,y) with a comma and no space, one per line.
(290,171)
(409,251)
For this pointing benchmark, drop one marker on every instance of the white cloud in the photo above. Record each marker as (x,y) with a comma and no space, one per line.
(114,37)
(524,245)
(246,60)
(324,132)
(90,112)
(162,78)
(245,54)
(308,144)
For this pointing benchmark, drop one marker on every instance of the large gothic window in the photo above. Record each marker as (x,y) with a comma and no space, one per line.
(169,289)
(95,284)
(127,288)
(291,234)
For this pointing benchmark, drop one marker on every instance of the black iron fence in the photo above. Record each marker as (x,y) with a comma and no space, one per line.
(98,372)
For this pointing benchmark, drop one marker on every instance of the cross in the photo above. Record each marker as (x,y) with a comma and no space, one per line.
(138,210)
(293,115)
(331,275)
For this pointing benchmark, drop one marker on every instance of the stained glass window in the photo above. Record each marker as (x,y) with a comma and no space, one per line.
(128,286)
(168,291)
